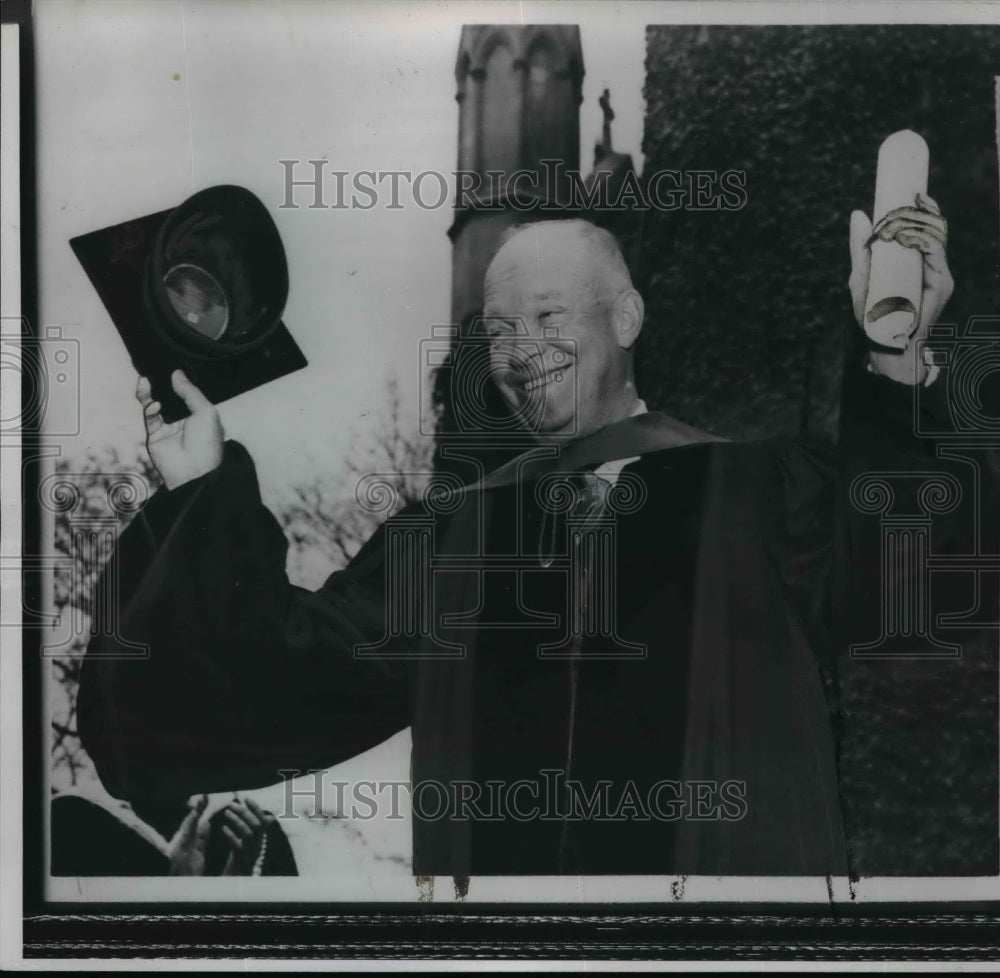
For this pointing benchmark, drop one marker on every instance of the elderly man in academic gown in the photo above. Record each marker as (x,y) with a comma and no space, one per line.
(690,733)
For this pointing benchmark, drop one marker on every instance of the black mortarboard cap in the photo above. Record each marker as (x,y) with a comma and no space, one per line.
(201,288)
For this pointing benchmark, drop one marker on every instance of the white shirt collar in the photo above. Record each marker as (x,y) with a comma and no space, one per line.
(611,469)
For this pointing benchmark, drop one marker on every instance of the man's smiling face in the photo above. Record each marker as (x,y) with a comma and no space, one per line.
(555,350)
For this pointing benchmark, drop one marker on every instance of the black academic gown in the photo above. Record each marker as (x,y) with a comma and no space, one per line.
(736,579)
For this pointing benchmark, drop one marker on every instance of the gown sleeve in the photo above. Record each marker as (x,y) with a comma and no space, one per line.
(891,460)
(916,502)
(208,671)
(901,460)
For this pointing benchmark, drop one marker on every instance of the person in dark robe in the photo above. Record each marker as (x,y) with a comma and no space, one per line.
(690,730)
(90,837)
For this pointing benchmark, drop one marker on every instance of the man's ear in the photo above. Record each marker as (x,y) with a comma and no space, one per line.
(629,313)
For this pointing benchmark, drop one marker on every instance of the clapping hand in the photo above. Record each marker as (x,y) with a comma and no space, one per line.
(241,827)
(187,847)
(244,825)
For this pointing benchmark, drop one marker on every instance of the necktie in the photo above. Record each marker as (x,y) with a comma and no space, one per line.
(591,494)
(588,494)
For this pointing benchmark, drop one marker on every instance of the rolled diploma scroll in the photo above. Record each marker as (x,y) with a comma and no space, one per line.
(892,309)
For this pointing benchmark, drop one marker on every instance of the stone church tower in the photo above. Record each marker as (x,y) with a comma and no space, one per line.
(519,95)
(519,92)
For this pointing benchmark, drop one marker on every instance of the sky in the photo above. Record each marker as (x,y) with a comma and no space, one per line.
(140,104)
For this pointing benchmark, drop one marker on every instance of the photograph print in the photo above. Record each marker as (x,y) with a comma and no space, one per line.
(491,457)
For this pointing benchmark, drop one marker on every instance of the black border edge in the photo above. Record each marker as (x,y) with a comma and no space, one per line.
(19,12)
(624,932)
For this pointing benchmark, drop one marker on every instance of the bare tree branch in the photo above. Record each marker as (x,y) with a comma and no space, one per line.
(324,516)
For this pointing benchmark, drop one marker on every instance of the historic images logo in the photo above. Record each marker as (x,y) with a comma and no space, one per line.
(960,413)
(549,797)
(550,188)
(578,513)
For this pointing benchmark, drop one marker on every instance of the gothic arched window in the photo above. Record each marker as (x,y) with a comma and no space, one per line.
(500,111)
(551,130)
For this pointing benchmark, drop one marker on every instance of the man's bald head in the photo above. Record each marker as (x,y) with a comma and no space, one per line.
(601,264)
